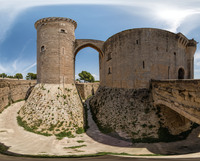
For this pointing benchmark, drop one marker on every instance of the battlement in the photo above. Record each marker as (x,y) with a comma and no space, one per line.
(182,39)
(53,19)
(192,42)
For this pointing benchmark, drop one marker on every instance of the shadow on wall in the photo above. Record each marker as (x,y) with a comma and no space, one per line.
(141,119)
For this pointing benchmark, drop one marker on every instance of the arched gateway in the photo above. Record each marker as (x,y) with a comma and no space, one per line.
(95,44)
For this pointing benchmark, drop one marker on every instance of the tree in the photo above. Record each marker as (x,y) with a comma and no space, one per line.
(10,76)
(31,76)
(86,76)
(18,76)
(3,75)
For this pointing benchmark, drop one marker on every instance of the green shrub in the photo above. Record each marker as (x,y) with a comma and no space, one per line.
(80,130)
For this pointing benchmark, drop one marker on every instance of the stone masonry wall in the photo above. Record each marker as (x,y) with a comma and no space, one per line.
(133,57)
(182,96)
(54,109)
(130,114)
(13,90)
(87,89)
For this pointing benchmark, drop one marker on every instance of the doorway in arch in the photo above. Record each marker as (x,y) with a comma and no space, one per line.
(181,73)
(87,59)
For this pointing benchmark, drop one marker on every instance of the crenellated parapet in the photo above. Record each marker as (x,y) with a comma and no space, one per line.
(182,40)
(53,19)
(191,47)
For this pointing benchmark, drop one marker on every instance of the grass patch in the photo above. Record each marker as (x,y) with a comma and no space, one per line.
(7,105)
(3,148)
(75,147)
(18,100)
(80,141)
(80,130)
(30,129)
(63,134)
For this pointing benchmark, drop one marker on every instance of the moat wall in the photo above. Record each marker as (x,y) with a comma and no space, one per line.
(54,109)
(13,90)
(86,90)
(130,114)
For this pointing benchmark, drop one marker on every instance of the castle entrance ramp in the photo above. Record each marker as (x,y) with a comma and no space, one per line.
(182,96)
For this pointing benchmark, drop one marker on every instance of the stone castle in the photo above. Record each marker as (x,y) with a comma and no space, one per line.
(128,59)
(146,91)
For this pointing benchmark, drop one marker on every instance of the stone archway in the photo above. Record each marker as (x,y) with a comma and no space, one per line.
(83,43)
(181,73)
(95,44)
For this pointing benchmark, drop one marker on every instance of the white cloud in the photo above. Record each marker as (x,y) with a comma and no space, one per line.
(171,13)
(2,69)
(96,77)
(29,67)
(174,17)
(14,65)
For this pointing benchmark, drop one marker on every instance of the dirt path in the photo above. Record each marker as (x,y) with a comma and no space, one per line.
(24,142)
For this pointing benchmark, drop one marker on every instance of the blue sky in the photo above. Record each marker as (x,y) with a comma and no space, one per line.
(97,19)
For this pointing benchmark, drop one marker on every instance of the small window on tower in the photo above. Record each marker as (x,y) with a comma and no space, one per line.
(42,48)
(62,31)
(109,70)
(109,56)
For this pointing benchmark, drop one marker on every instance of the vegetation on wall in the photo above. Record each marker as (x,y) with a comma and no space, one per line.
(123,113)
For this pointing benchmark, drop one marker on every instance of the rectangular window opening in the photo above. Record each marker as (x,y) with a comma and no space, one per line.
(62,31)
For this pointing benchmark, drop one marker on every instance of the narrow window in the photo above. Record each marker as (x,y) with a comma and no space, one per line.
(137,42)
(143,65)
(42,48)
(109,71)
(174,53)
(157,48)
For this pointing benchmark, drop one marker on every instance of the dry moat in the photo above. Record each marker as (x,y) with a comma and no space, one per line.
(146,93)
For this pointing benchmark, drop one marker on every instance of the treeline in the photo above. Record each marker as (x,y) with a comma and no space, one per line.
(29,76)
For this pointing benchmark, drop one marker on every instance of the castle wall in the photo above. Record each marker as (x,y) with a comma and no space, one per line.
(131,114)
(55,47)
(87,89)
(135,56)
(13,90)
(182,96)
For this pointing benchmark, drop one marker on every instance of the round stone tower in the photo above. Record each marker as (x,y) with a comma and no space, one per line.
(55,45)
(54,106)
